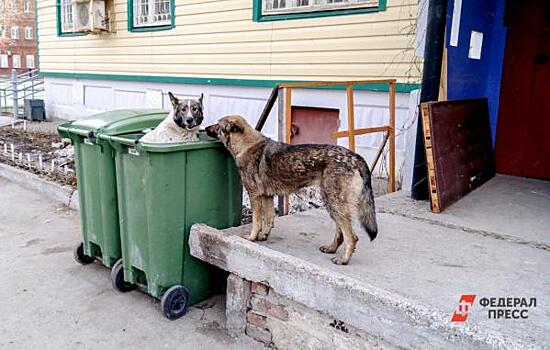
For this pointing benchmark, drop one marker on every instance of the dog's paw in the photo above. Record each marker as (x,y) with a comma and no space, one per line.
(328,249)
(250,238)
(340,260)
(262,237)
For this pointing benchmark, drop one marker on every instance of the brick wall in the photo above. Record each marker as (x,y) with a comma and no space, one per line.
(16,16)
(281,323)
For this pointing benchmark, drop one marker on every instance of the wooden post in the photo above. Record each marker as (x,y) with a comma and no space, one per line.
(351,118)
(288,114)
(288,124)
(280,137)
(391,179)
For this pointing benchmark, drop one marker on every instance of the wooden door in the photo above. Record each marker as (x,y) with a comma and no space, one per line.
(523,127)
(313,125)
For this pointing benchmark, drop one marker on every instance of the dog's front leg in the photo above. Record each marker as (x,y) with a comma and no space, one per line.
(257,217)
(268,217)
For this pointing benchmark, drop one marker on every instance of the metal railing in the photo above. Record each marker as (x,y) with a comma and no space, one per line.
(18,87)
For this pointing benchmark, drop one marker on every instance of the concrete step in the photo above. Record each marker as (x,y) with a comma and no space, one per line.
(402,287)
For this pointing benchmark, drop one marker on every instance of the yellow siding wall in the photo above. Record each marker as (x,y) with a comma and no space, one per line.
(218,39)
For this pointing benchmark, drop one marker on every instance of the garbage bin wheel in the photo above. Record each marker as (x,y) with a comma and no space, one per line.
(117,278)
(80,257)
(175,302)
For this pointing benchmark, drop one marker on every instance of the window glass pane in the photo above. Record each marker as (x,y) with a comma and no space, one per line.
(16,61)
(30,61)
(66,16)
(152,13)
(28,33)
(3,61)
(298,6)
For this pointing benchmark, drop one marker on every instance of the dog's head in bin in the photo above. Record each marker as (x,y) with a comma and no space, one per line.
(188,114)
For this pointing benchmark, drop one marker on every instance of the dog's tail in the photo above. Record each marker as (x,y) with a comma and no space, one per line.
(367,214)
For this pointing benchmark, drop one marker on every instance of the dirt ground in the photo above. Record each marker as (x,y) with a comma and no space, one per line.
(37,140)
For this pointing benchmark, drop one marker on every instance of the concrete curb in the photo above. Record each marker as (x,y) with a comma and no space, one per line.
(59,193)
(392,317)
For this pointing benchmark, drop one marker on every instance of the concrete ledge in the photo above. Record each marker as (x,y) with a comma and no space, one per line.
(508,208)
(59,193)
(394,318)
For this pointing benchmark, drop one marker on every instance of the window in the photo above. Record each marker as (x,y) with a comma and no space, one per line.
(15,32)
(271,10)
(65,17)
(3,61)
(16,59)
(150,15)
(28,33)
(30,61)
(27,6)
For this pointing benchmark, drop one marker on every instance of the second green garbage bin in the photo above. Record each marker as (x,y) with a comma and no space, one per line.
(163,189)
(95,171)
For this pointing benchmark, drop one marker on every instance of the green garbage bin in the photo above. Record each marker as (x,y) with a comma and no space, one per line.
(163,189)
(95,171)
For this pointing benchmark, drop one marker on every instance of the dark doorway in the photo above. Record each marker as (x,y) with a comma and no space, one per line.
(523,128)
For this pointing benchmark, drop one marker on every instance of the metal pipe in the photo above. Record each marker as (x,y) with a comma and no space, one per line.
(14,92)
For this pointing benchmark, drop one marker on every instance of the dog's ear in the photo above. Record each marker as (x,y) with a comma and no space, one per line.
(233,127)
(200,98)
(173,99)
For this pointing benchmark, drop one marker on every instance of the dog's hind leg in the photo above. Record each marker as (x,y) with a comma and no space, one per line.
(350,240)
(333,247)
(335,192)
(331,206)
(268,217)
(257,217)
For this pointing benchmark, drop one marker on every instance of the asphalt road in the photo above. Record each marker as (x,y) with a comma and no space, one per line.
(47,301)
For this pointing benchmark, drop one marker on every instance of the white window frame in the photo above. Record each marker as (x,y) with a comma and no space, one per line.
(66,12)
(15,32)
(160,16)
(28,33)
(29,59)
(27,6)
(273,7)
(16,61)
(4,61)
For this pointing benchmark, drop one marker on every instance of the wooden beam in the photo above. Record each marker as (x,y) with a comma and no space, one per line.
(288,113)
(430,160)
(267,109)
(391,179)
(333,83)
(344,133)
(280,137)
(288,124)
(351,117)
(380,150)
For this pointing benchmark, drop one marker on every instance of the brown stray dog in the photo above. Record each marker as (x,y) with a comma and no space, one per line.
(270,168)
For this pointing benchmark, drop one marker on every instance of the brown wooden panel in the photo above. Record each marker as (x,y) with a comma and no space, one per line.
(459,154)
(313,125)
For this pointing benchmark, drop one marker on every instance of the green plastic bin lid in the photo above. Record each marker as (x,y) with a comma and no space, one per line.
(115,122)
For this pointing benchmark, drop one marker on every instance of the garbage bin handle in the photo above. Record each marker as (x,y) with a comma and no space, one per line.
(116,141)
(71,130)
